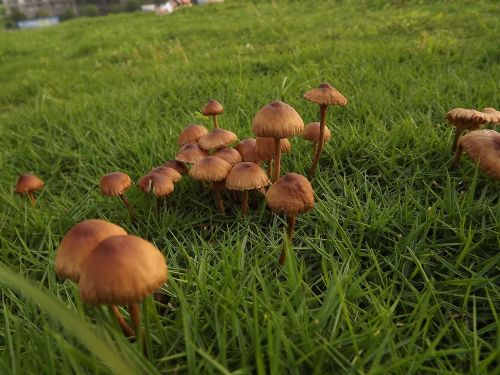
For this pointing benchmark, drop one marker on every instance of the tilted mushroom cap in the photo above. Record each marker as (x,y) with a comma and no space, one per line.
(468,118)
(210,168)
(115,183)
(28,183)
(492,115)
(277,120)
(169,172)
(248,150)
(213,107)
(246,176)
(217,138)
(156,183)
(79,242)
(191,134)
(190,153)
(311,132)
(122,270)
(292,194)
(483,146)
(145,183)
(266,149)
(228,154)
(179,166)
(325,94)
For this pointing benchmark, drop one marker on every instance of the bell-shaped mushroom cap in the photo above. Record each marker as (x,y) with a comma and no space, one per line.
(217,138)
(190,153)
(156,183)
(210,168)
(492,115)
(277,120)
(248,150)
(169,172)
(228,154)
(115,183)
(79,242)
(292,194)
(312,130)
(483,146)
(122,270)
(145,183)
(28,183)
(468,118)
(191,134)
(266,149)
(325,94)
(246,176)
(179,166)
(213,107)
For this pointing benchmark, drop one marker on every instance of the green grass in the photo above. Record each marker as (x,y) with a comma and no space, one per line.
(396,270)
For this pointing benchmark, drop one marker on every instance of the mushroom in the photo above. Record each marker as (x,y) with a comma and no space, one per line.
(312,133)
(292,194)
(212,169)
(29,183)
(171,173)
(464,119)
(179,166)
(324,95)
(483,147)
(213,108)
(246,176)
(190,153)
(248,150)
(216,139)
(266,150)
(191,134)
(228,154)
(117,183)
(159,184)
(492,115)
(122,270)
(277,120)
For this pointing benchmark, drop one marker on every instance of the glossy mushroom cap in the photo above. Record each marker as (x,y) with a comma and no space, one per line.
(325,94)
(156,183)
(79,242)
(169,172)
(277,120)
(248,150)
(311,132)
(246,176)
(210,168)
(492,115)
(266,149)
(179,166)
(122,270)
(292,194)
(191,134)
(115,183)
(228,154)
(468,118)
(483,147)
(28,183)
(190,153)
(213,107)
(217,138)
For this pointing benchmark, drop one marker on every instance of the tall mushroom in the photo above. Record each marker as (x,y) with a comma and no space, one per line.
(213,108)
(191,134)
(292,194)
(277,120)
(116,184)
(312,133)
(29,183)
(483,147)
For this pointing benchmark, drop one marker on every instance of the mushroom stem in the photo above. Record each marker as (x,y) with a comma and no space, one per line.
(458,132)
(219,203)
(314,150)
(32,198)
(244,203)
(135,314)
(127,330)
(277,159)
(270,167)
(458,154)
(321,141)
(289,233)
(158,206)
(129,207)
(216,125)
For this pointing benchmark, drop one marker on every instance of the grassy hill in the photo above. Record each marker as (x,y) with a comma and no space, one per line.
(396,270)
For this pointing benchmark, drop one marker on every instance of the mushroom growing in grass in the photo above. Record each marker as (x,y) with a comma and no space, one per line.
(171,173)
(277,120)
(228,154)
(293,195)
(159,184)
(212,169)
(464,119)
(483,147)
(122,270)
(190,153)
(179,166)
(266,150)
(213,108)
(29,183)
(492,115)
(246,176)
(191,134)
(324,95)
(248,150)
(217,138)
(312,133)
(116,184)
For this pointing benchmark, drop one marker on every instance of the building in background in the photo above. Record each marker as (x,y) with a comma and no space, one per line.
(33,8)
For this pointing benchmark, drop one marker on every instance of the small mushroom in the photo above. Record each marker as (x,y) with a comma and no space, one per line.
(179,166)
(217,138)
(213,108)
(312,133)
(464,119)
(116,184)
(266,150)
(248,150)
(159,184)
(191,134)
(190,153)
(483,147)
(292,194)
(169,172)
(29,183)
(228,154)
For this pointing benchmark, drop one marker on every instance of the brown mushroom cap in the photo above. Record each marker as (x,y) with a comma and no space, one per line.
(145,183)
(27,183)
(266,149)
(213,107)
(325,94)
(190,153)
(311,132)
(492,115)
(115,183)
(159,184)
(122,270)
(217,138)
(248,150)
(246,176)
(277,120)
(169,172)
(228,154)
(483,146)
(191,134)
(179,166)
(292,194)
(468,118)
(79,242)
(210,168)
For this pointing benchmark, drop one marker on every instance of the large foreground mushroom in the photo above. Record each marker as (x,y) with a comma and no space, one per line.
(483,147)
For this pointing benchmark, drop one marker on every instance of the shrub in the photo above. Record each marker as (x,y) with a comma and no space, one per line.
(132,6)
(15,16)
(68,14)
(90,11)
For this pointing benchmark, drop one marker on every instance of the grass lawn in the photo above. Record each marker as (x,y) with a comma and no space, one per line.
(396,270)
